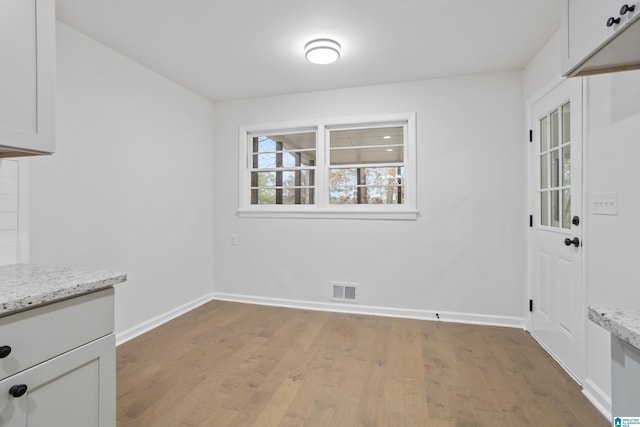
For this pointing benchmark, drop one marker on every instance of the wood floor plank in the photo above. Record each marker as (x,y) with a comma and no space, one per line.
(229,364)
(415,398)
(279,403)
(371,405)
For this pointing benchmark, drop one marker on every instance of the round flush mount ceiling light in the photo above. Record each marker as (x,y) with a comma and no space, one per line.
(322,51)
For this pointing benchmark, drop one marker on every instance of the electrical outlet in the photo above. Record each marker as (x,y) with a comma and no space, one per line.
(233,239)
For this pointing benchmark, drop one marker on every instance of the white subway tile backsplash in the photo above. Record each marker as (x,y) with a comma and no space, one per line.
(8,203)
(8,220)
(8,256)
(9,209)
(9,168)
(8,185)
(9,239)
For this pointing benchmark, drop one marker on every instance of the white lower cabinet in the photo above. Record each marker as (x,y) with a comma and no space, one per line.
(625,377)
(75,389)
(57,364)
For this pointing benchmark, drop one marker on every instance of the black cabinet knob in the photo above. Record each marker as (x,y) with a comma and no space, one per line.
(18,390)
(575,242)
(5,350)
(626,9)
(612,21)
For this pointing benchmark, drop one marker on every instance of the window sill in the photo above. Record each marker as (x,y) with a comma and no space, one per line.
(405,214)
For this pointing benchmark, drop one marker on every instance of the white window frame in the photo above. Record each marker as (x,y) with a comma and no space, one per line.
(322,208)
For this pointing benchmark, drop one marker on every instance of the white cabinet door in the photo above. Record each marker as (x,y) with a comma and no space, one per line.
(75,389)
(590,28)
(586,26)
(27,76)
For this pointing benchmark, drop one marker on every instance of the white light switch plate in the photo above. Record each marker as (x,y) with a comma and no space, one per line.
(604,203)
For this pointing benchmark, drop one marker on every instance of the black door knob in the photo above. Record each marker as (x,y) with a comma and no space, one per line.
(575,242)
(626,9)
(612,21)
(5,350)
(18,390)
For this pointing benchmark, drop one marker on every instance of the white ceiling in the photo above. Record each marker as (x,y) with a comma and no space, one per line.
(226,49)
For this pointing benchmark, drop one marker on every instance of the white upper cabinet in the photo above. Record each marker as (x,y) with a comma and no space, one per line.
(27,77)
(600,36)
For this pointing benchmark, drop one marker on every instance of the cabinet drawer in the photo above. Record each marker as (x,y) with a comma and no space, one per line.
(41,333)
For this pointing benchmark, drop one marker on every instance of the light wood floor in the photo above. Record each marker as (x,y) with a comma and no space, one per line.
(228,364)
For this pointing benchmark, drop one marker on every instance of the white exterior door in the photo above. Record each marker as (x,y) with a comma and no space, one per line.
(556,256)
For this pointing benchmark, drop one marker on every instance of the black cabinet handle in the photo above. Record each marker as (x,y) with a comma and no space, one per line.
(18,390)
(575,242)
(626,9)
(612,21)
(5,350)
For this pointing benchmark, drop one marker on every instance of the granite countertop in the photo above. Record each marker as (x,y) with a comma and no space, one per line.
(24,286)
(621,322)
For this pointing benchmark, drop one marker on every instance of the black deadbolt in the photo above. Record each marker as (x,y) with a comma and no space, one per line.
(5,350)
(18,390)
(575,220)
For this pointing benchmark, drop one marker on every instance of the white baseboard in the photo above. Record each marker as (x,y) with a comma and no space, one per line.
(124,336)
(443,316)
(599,399)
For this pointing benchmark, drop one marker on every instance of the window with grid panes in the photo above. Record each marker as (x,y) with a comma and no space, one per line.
(366,165)
(283,169)
(332,168)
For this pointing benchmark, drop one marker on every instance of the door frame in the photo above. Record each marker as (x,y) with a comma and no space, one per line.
(531,155)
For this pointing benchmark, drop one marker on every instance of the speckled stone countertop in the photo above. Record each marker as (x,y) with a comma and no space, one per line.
(621,322)
(24,286)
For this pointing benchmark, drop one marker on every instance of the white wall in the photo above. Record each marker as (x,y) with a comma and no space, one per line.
(612,126)
(464,255)
(130,186)
(543,68)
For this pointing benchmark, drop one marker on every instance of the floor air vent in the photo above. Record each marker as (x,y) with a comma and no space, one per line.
(344,292)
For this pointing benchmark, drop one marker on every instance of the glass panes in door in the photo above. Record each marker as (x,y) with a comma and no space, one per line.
(555,168)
